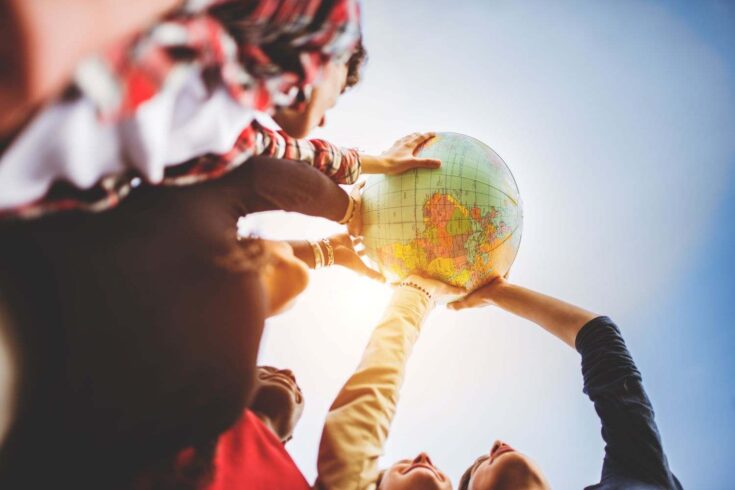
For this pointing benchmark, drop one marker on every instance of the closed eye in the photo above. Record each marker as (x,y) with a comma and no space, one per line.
(479,461)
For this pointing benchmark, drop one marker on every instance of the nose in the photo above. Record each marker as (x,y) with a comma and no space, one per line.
(497,446)
(422,458)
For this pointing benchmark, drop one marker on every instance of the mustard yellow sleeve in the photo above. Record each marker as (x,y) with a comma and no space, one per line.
(359,419)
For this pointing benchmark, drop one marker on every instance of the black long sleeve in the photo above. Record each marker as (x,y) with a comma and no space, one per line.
(634,455)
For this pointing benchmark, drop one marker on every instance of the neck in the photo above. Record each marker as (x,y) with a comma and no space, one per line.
(268,422)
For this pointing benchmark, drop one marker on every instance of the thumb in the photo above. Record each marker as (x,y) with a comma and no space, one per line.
(467,302)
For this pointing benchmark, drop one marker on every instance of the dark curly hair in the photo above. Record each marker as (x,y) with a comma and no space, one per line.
(234,16)
(355,64)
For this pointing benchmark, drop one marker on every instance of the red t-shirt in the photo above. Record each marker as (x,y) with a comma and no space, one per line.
(250,457)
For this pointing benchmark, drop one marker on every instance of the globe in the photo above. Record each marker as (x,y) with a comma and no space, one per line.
(460,223)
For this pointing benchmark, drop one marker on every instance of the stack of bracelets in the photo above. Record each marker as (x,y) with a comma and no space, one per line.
(319,259)
(411,284)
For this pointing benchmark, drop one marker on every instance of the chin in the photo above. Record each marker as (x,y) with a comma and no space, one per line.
(423,479)
(273,400)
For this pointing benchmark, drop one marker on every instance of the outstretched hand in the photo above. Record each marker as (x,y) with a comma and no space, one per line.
(347,256)
(401,156)
(484,296)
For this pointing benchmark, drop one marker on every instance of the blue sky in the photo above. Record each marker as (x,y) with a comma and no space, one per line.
(617,120)
(684,344)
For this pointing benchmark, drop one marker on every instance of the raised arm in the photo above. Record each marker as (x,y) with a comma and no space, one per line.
(342,165)
(266,184)
(633,450)
(555,316)
(357,424)
(358,421)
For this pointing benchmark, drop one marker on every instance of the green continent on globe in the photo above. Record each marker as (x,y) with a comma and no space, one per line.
(460,223)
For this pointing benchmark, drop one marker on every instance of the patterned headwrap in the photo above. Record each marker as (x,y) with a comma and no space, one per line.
(264,51)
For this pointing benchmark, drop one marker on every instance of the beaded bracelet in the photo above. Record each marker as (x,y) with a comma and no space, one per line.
(318,255)
(330,252)
(350,211)
(413,285)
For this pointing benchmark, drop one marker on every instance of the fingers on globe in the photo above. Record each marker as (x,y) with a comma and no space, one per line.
(358,245)
(429,163)
(456,305)
(420,142)
(369,272)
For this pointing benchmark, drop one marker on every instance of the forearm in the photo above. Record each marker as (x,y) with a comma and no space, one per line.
(266,184)
(372,164)
(557,317)
(304,251)
(633,447)
(342,165)
(358,421)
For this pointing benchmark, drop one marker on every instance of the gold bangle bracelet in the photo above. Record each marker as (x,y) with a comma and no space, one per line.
(318,255)
(330,252)
(350,211)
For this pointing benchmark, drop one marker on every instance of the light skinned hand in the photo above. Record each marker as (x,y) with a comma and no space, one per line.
(402,155)
(346,255)
(483,296)
(354,226)
(440,291)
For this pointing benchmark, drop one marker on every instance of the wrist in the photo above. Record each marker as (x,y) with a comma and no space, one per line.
(425,290)
(349,212)
(495,291)
(412,299)
(372,164)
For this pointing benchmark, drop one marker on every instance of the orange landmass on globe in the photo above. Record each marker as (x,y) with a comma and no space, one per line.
(459,245)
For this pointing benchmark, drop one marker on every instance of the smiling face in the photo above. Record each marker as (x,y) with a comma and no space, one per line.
(503,468)
(417,474)
(278,399)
